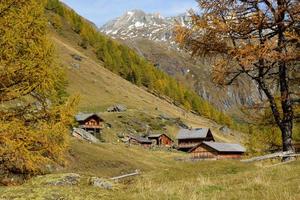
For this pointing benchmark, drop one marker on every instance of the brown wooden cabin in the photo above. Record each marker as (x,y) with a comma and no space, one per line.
(91,122)
(161,140)
(138,140)
(216,150)
(189,138)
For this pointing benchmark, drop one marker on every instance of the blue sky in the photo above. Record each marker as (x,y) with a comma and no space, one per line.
(101,11)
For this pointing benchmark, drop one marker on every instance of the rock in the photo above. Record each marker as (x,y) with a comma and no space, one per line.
(164,116)
(108,125)
(77,57)
(101,183)
(65,180)
(75,65)
(117,108)
(84,135)
(224,130)
(182,125)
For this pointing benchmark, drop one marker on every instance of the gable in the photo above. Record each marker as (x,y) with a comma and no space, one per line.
(167,137)
(210,135)
(202,148)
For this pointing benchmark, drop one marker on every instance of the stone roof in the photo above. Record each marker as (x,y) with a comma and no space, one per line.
(140,139)
(197,133)
(83,116)
(225,147)
(155,135)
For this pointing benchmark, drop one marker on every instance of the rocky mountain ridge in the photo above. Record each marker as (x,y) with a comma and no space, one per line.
(138,24)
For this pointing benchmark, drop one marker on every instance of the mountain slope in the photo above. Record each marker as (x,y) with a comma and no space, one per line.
(126,63)
(100,88)
(154,40)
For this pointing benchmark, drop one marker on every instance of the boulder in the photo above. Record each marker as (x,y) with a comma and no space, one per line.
(100,183)
(117,108)
(84,135)
(77,57)
(69,179)
(224,130)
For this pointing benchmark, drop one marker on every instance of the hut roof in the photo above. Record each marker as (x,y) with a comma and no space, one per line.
(193,133)
(158,135)
(223,147)
(83,116)
(140,139)
(155,135)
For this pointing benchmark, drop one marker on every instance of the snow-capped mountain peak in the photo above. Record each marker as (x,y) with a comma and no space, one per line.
(138,24)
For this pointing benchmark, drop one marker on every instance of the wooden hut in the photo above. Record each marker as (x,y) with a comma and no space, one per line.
(216,150)
(138,140)
(189,138)
(161,140)
(91,122)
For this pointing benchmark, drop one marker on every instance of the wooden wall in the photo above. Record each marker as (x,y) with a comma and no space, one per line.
(204,151)
(92,122)
(164,140)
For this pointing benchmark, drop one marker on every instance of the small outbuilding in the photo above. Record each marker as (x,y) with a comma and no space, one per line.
(138,140)
(161,140)
(189,138)
(90,122)
(217,150)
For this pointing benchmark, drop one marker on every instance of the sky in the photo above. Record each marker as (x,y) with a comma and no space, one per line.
(101,11)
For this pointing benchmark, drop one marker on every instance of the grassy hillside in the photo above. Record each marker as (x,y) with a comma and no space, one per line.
(126,63)
(162,177)
(99,88)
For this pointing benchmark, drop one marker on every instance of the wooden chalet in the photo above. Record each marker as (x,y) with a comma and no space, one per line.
(161,140)
(216,150)
(91,122)
(189,138)
(138,140)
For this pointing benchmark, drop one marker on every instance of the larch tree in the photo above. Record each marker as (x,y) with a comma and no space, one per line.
(34,118)
(258,39)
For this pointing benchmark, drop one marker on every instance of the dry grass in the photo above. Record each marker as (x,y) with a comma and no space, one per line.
(162,177)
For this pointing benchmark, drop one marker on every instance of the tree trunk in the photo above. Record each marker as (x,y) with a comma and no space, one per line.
(286,131)
(286,125)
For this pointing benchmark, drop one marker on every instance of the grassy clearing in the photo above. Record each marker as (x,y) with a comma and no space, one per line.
(162,177)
